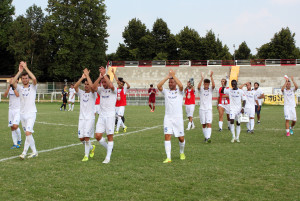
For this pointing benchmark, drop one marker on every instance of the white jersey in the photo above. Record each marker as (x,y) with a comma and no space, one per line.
(173,102)
(14,101)
(27,98)
(289,97)
(108,100)
(87,104)
(235,97)
(258,93)
(206,98)
(71,93)
(250,99)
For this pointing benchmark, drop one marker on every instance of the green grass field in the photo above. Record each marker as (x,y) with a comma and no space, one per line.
(264,166)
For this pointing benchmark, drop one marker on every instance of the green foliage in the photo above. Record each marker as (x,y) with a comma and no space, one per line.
(243,52)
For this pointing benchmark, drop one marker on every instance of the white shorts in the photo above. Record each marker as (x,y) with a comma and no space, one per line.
(189,109)
(174,126)
(234,114)
(205,116)
(105,124)
(250,112)
(97,109)
(28,121)
(120,111)
(13,117)
(226,107)
(72,100)
(290,113)
(86,128)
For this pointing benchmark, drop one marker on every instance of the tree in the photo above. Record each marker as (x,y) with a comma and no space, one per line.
(6,58)
(243,52)
(281,46)
(161,36)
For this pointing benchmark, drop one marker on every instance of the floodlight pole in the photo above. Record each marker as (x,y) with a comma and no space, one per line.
(234,53)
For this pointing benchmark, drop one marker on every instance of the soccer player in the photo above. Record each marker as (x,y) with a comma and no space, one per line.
(86,114)
(205,110)
(223,105)
(152,94)
(251,101)
(236,96)
(259,95)
(72,93)
(64,95)
(121,101)
(106,120)
(27,107)
(14,114)
(289,105)
(173,120)
(190,103)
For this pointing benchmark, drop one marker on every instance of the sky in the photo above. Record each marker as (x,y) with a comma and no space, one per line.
(233,21)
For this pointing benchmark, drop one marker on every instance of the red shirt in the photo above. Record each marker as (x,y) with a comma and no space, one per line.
(121,98)
(152,95)
(189,97)
(223,101)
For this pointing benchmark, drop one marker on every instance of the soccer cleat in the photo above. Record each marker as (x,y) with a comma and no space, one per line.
(22,156)
(151,110)
(220,129)
(106,161)
(209,140)
(248,131)
(288,134)
(15,147)
(205,140)
(85,158)
(69,110)
(32,155)
(258,122)
(20,142)
(125,129)
(232,140)
(291,131)
(167,161)
(92,152)
(188,128)
(182,156)
(116,132)
(238,140)
(60,109)
(251,131)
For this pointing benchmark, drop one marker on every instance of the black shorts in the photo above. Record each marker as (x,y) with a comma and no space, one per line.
(65,100)
(257,111)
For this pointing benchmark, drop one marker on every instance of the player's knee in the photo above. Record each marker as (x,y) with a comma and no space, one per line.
(110,138)
(98,136)
(181,139)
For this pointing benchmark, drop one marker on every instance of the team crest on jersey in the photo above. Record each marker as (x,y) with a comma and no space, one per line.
(166,129)
(78,132)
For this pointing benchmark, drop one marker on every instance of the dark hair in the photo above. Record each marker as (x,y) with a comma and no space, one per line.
(233,81)
(120,79)
(151,85)
(83,81)
(108,77)
(206,81)
(256,83)
(24,74)
(72,84)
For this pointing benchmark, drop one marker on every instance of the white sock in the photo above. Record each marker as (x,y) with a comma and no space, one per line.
(220,124)
(238,131)
(26,145)
(72,106)
(232,130)
(252,123)
(14,137)
(228,123)
(168,149)
(18,132)
(248,125)
(181,146)
(189,125)
(119,123)
(90,144)
(110,146)
(32,144)
(87,148)
(69,106)
(193,123)
(204,132)
(287,130)
(208,131)
(103,143)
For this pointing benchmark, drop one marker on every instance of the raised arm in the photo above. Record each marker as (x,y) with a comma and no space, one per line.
(95,85)
(212,80)
(76,86)
(241,87)
(172,73)
(285,83)
(87,75)
(6,91)
(295,84)
(128,85)
(31,75)
(200,83)
(17,75)
(115,76)
(161,83)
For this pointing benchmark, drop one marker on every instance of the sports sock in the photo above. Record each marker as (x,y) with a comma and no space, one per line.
(181,146)
(90,144)
(150,106)
(103,143)
(32,144)
(65,105)
(153,107)
(204,132)
(119,123)
(208,130)
(189,125)
(14,137)
(238,131)
(252,123)
(193,123)
(86,148)
(18,132)
(232,130)
(287,130)
(220,124)
(248,125)
(110,146)
(69,106)
(168,149)
(26,145)
(72,107)
(228,123)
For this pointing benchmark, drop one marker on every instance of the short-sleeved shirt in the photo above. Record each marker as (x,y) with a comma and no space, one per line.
(250,99)
(87,104)
(258,93)
(27,98)
(206,98)
(289,97)
(71,92)
(64,94)
(173,102)
(14,101)
(108,100)
(235,97)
